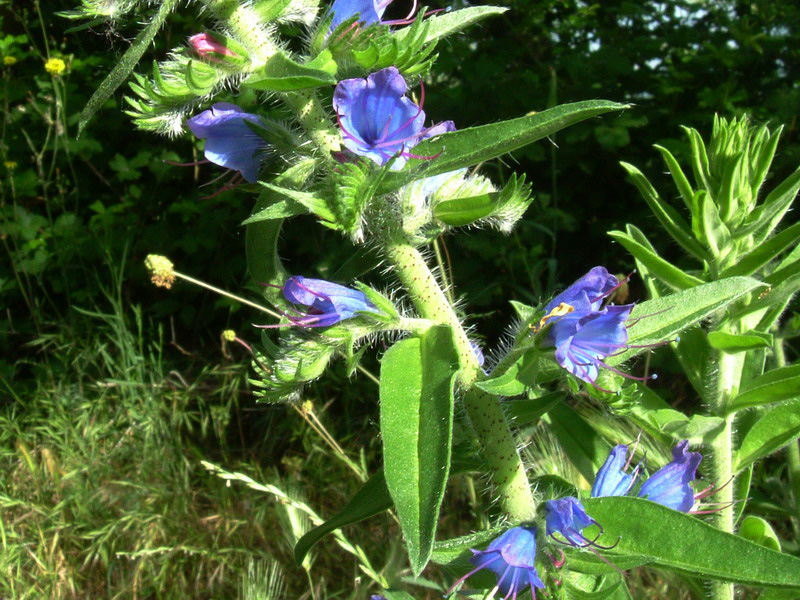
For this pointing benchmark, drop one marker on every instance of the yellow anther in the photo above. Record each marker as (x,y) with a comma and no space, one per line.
(559,311)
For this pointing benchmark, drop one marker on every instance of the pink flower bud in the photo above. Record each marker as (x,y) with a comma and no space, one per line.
(207,47)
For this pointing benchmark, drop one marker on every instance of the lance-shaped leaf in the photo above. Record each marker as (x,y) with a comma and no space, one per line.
(669,218)
(764,219)
(583,445)
(774,386)
(442,25)
(660,268)
(503,208)
(281,73)
(416,393)
(467,147)
(739,342)
(776,428)
(680,542)
(764,253)
(664,318)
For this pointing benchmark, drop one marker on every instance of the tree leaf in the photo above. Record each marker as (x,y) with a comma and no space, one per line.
(774,386)
(125,65)
(416,393)
(471,146)
(776,428)
(680,542)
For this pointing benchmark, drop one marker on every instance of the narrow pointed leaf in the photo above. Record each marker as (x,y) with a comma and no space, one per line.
(768,215)
(664,318)
(669,218)
(678,176)
(471,146)
(442,25)
(282,74)
(764,253)
(776,428)
(416,394)
(583,445)
(730,342)
(774,386)
(680,542)
(125,65)
(660,268)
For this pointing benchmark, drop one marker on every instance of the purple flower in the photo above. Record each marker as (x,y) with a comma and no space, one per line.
(670,484)
(369,12)
(611,479)
(583,339)
(511,557)
(230,142)
(327,303)
(378,120)
(588,292)
(568,517)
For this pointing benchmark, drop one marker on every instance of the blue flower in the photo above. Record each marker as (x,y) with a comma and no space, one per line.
(327,303)
(669,485)
(584,338)
(511,556)
(611,479)
(568,517)
(230,142)
(378,120)
(588,292)
(370,12)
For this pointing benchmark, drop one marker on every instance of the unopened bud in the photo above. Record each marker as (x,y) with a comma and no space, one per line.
(213,50)
(229,335)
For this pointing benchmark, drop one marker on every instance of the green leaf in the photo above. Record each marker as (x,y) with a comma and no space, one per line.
(733,342)
(663,318)
(774,386)
(281,73)
(759,531)
(763,253)
(440,26)
(579,586)
(549,487)
(764,219)
(269,10)
(276,208)
(473,145)
(584,447)
(515,379)
(416,395)
(312,202)
(373,498)
(125,65)
(657,266)
(530,410)
(669,218)
(776,428)
(680,542)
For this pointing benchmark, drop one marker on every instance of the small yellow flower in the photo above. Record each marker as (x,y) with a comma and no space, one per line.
(10,164)
(55,66)
(229,335)
(162,272)
(9,60)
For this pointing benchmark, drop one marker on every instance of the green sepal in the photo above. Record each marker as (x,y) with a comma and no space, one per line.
(739,342)
(503,208)
(382,303)
(281,73)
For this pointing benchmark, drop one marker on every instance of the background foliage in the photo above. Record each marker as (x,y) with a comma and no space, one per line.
(101,373)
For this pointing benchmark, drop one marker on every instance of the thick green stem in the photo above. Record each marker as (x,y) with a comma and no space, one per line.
(729,370)
(309,112)
(484,410)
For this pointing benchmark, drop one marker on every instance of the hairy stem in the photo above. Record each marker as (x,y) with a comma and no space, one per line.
(484,410)
(729,370)
(309,112)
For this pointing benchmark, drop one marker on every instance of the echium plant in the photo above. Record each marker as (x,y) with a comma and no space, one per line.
(355,148)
